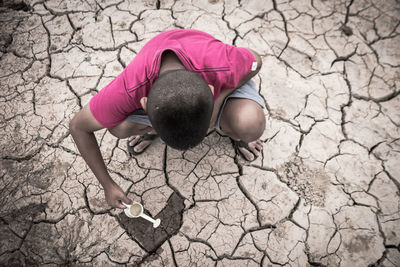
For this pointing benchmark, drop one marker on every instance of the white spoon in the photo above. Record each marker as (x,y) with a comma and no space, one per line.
(136,210)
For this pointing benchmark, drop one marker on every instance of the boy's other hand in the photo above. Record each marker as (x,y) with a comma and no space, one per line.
(115,196)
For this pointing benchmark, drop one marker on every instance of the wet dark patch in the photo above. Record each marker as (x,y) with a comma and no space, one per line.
(346,30)
(144,233)
(22,218)
(359,243)
(17,221)
(41,176)
(15,5)
(17,259)
(28,212)
(15,176)
(5,41)
(8,239)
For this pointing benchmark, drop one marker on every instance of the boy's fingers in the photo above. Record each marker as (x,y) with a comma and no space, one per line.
(119,200)
(119,205)
(126,200)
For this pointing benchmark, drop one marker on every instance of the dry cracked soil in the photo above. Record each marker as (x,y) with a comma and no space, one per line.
(324,192)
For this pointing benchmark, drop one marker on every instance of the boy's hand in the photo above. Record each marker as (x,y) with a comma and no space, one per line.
(115,196)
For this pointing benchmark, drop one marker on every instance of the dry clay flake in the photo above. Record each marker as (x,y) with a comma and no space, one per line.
(309,184)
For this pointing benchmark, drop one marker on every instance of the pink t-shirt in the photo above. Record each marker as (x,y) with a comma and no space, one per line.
(221,65)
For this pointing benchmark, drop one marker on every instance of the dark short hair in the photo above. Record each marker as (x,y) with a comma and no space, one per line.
(180,106)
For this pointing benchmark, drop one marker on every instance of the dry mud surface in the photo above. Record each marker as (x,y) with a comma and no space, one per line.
(325,191)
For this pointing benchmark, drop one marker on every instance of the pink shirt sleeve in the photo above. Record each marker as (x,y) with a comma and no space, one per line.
(112,105)
(241,60)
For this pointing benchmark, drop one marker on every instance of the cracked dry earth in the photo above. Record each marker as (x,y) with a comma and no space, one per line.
(324,192)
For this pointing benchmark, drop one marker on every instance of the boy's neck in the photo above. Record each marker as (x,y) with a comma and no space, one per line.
(170,61)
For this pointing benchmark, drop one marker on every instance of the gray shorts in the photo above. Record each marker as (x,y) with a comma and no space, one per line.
(247,91)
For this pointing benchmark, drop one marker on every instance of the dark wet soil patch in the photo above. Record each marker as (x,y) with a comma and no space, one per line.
(152,238)
(15,5)
(15,224)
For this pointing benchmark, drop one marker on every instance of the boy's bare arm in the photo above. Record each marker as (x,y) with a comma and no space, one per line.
(246,78)
(82,128)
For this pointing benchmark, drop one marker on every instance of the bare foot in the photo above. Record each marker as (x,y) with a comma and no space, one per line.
(139,144)
(253,150)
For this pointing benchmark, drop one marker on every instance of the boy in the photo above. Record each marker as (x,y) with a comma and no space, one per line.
(180,84)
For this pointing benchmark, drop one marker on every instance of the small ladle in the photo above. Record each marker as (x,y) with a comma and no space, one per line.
(136,210)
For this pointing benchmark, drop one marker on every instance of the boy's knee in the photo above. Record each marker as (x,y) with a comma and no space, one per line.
(244,122)
(119,133)
(126,129)
(250,125)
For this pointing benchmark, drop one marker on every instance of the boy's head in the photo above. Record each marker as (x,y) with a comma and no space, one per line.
(180,105)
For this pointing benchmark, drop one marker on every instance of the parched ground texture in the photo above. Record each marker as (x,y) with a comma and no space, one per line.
(325,191)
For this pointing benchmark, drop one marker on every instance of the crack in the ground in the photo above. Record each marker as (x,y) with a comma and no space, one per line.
(362,43)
